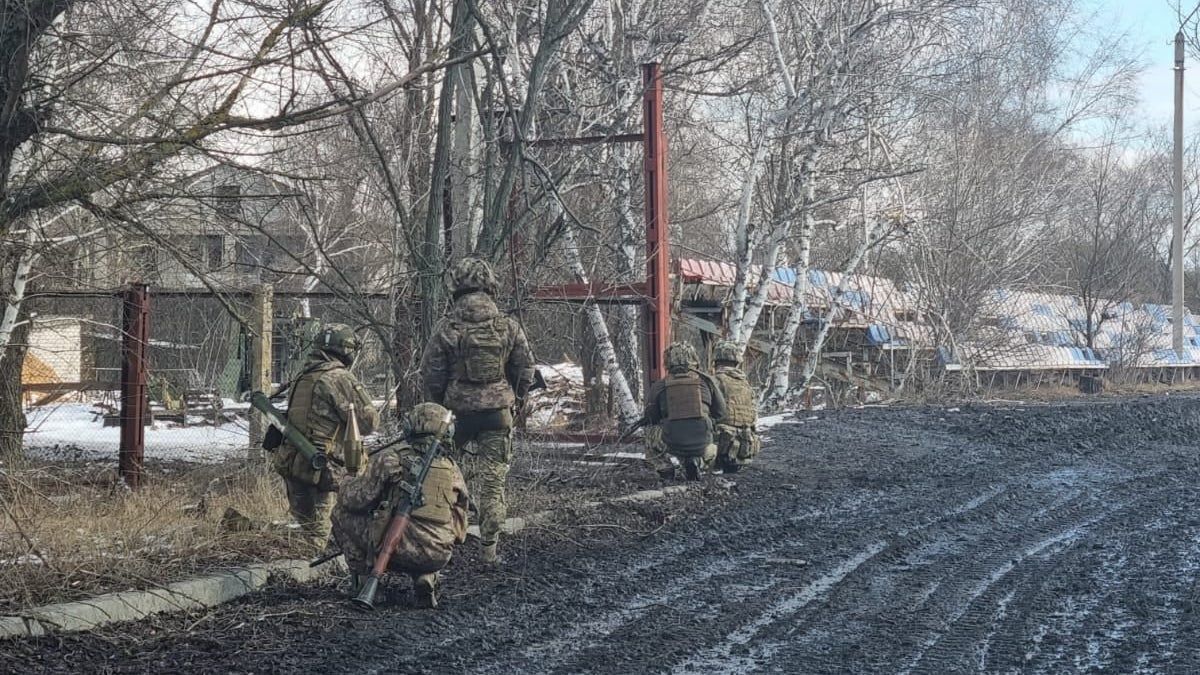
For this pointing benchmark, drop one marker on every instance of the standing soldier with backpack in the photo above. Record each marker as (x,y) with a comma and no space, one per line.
(686,404)
(478,365)
(329,407)
(737,439)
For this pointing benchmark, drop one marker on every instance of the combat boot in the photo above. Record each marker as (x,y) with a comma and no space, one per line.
(490,556)
(691,468)
(425,587)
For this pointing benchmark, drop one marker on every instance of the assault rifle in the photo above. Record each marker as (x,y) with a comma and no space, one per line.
(284,429)
(413,498)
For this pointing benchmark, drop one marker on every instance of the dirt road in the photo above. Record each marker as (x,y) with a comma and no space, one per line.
(1019,539)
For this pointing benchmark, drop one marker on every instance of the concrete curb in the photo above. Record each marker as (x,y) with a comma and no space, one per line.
(191,594)
(213,590)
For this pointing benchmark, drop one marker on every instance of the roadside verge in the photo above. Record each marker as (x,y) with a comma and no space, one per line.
(215,589)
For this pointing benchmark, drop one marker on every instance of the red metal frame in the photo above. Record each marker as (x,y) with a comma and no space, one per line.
(134,404)
(613,293)
(658,316)
(655,293)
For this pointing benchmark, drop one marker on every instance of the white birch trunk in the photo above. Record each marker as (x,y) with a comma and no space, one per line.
(627,408)
(12,307)
(626,341)
(739,328)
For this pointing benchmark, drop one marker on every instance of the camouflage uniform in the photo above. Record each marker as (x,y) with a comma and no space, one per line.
(478,364)
(737,439)
(684,405)
(364,509)
(319,408)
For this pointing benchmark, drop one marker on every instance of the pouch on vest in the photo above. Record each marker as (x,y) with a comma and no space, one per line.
(481,351)
(273,438)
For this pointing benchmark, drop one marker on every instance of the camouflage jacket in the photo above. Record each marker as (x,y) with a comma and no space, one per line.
(458,373)
(365,504)
(740,401)
(319,407)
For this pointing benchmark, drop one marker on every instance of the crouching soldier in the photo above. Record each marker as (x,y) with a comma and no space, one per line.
(685,405)
(329,406)
(737,439)
(365,503)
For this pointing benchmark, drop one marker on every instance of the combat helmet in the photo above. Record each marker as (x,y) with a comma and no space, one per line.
(727,351)
(428,419)
(338,340)
(680,357)
(472,274)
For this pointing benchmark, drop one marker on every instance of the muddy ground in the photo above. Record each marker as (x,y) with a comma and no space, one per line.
(1051,539)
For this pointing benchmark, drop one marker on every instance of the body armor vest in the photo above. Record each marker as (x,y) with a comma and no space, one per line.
(687,429)
(318,429)
(740,408)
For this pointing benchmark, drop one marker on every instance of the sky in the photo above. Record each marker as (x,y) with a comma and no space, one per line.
(1150,27)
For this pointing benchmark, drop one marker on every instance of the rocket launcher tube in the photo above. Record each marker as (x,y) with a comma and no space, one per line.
(261,403)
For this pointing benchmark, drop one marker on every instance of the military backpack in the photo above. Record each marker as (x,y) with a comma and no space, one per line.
(482,350)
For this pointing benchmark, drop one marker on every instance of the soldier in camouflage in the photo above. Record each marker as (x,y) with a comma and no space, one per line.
(478,364)
(685,405)
(328,406)
(364,507)
(737,439)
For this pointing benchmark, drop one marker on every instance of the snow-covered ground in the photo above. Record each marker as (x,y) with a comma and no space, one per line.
(76,431)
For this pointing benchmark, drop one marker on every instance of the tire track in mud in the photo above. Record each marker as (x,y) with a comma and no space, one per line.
(895,560)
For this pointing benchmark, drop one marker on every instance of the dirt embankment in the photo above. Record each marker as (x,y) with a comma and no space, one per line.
(1052,539)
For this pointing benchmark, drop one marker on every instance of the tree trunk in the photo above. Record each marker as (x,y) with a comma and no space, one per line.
(627,408)
(12,413)
(628,264)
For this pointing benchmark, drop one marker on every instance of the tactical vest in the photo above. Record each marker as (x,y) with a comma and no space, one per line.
(437,491)
(318,429)
(482,350)
(687,429)
(740,408)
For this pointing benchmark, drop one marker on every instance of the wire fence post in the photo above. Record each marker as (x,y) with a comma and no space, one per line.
(260,362)
(135,325)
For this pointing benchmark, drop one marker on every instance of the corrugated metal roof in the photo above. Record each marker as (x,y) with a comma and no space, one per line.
(1033,330)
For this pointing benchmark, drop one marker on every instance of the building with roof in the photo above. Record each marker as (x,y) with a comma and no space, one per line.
(880,330)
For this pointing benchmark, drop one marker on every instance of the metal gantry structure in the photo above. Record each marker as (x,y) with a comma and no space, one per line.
(653,294)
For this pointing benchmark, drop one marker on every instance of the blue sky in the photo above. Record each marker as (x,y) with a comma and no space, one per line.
(1150,27)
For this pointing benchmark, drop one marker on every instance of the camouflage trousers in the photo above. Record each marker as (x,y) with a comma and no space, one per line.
(484,455)
(737,445)
(659,457)
(310,506)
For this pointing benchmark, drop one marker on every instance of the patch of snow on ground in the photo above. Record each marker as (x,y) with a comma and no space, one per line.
(769,421)
(76,431)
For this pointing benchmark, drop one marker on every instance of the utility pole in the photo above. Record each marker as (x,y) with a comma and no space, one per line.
(1177,238)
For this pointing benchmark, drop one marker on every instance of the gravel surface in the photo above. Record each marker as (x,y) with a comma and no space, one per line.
(1056,538)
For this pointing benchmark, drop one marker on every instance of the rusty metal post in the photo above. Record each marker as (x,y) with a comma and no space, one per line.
(658,308)
(135,408)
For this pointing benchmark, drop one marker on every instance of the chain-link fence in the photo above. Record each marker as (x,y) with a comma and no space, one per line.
(198,370)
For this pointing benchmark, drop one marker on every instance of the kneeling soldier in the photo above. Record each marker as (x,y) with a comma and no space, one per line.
(365,503)
(737,439)
(686,404)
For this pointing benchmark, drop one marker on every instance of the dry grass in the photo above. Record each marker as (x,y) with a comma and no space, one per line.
(72,531)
